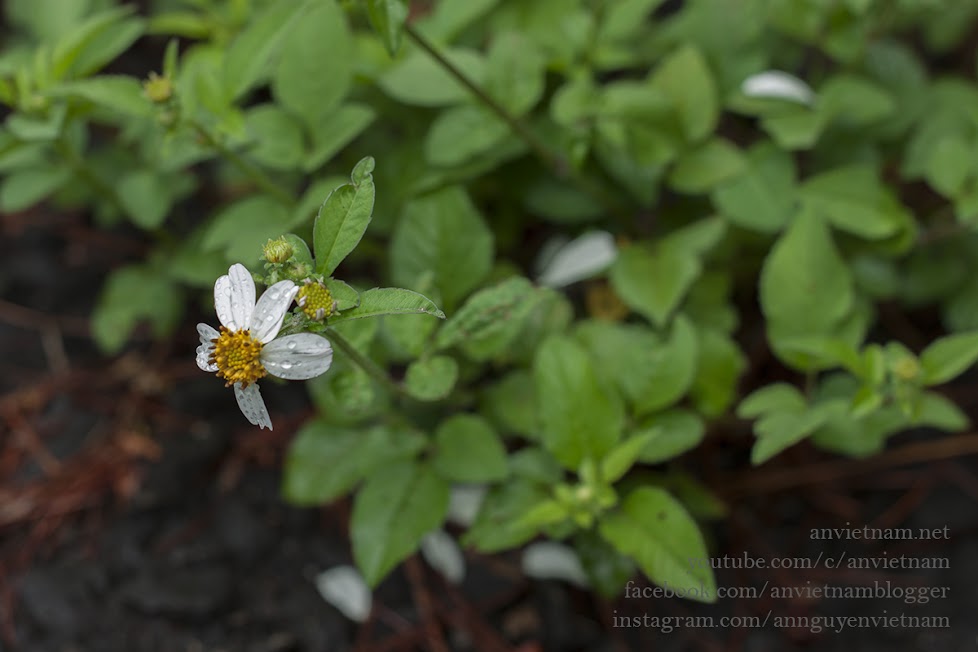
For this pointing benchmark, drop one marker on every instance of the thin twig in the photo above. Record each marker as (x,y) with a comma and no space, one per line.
(426,609)
(366,363)
(758,482)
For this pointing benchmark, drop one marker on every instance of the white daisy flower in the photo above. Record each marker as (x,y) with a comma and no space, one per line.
(246,349)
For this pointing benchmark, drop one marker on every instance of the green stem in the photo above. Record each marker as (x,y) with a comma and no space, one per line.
(557,164)
(259,178)
(365,363)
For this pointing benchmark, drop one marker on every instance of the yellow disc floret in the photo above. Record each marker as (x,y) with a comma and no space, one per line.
(236,356)
(315,300)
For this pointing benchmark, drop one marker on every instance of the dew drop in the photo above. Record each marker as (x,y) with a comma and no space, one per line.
(291,345)
(227,290)
(285,364)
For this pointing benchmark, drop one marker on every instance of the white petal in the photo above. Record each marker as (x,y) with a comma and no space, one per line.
(203,355)
(242,295)
(440,551)
(547,560)
(464,503)
(297,357)
(579,259)
(271,309)
(222,302)
(778,85)
(344,588)
(206,333)
(252,405)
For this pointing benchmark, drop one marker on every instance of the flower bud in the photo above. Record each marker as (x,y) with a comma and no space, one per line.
(277,251)
(158,89)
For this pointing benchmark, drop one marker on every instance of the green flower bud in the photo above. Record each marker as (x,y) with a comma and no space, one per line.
(158,89)
(277,251)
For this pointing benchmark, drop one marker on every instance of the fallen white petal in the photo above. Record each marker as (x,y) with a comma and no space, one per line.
(297,357)
(442,553)
(579,259)
(344,588)
(267,318)
(252,405)
(552,561)
(778,85)
(242,294)
(464,503)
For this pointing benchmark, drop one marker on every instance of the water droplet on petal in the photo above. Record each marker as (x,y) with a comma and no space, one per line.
(227,290)
(285,364)
(291,345)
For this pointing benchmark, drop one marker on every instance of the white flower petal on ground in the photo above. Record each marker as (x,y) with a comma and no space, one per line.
(464,503)
(270,311)
(579,259)
(442,553)
(777,85)
(297,357)
(252,405)
(242,295)
(344,588)
(547,560)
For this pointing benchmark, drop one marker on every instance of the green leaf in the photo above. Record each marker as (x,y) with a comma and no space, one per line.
(97,41)
(468,450)
(497,526)
(622,457)
(937,411)
(24,188)
(343,218)
(115,92)
(652,371)
(325,461)
(431,379)
(762,196)
(950,164)
(653,281)
(607,569)
(720,364)
(279,139)
(514,72)
(130,295)
(853,200)
(344,295)
(459,134)
(421,81)
(580,418)
(776,397)
(511,403)
(805,287)
(389,301)
(315,65)
(387,18)
(242,228)
(442,233)
(948,357)
(336,130)
(246,61)
(706,166)
(656,531)
(686,80)
(396,507)
(146,197)
(46,20)
(670,434)
(487,311)
(777,431)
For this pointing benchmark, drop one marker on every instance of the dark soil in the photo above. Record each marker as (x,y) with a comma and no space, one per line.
(140,512)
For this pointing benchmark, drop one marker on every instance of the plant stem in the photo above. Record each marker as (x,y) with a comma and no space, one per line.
(365,363)
(560,167)
(255,174)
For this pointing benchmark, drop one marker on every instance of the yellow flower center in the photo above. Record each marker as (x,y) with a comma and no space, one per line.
(315,300)
(236,354)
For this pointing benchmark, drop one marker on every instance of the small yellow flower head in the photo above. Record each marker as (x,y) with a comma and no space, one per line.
(237,356)
(158,89)
(315,300)
(278,251)
(906,368)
